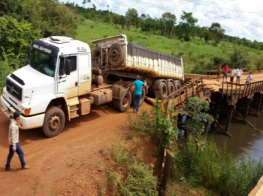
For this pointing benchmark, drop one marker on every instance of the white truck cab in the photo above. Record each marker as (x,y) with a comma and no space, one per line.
(59,71)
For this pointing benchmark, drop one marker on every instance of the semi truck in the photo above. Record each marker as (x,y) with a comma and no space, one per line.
(65,79)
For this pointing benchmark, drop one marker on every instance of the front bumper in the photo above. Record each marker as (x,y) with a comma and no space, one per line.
(24,122)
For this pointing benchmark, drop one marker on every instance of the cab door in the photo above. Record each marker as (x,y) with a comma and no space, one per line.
(84,73)
(68,84)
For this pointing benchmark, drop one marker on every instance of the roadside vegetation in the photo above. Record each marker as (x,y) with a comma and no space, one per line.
(197,162)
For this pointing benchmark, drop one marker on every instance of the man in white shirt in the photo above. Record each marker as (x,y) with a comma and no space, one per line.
(13,138)
(233,71)
(239,73)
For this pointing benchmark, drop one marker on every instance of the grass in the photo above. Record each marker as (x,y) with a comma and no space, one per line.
(35,185)
(134,177)
(194,52)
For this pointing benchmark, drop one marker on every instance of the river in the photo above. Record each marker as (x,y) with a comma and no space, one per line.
(245,140)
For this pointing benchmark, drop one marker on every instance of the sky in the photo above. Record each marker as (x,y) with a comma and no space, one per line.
(240,18)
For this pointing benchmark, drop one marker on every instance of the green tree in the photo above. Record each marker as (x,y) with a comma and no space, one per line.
(132,17)
(217,33)
(186,27)
(15,37)
(195,111)
(169,21)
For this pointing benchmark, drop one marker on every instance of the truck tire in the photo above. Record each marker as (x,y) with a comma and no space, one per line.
(124,103)
(54,121)
(114,102)
(97,79)
(96,57)
(171,89)
(116,55)
(178,85)
(162,92)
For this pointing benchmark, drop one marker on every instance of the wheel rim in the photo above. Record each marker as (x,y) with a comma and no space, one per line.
(115,55)
(125,101)
(164,90)
(54,123)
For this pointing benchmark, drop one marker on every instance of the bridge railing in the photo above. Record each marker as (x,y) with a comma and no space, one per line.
(241,90)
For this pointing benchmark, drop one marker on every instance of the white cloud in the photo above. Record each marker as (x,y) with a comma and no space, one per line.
(241,18)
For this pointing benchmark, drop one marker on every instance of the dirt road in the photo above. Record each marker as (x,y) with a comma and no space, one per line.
(67,164)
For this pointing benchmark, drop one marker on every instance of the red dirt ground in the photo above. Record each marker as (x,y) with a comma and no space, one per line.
(70,163)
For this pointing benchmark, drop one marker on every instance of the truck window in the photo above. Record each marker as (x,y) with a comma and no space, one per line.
(73,64)
(43,63)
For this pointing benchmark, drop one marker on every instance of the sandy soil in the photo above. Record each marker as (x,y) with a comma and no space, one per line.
(69,164)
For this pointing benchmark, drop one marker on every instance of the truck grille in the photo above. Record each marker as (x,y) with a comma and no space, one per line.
(14,89)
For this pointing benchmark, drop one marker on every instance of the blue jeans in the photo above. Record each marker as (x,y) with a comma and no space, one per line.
(20,153)
(136,103)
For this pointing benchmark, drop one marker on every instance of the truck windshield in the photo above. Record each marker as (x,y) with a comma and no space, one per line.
(43,63)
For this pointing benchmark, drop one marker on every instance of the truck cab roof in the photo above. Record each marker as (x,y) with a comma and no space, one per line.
(61,45)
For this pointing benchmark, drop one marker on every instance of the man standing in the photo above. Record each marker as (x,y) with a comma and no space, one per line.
(233,71)
(138,93)
(239,74)
(13,137)
(225,72)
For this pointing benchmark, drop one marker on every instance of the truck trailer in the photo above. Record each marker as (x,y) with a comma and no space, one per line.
(64,79)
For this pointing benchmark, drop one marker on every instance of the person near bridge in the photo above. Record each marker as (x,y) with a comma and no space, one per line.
(239,73)
(13,137)
(225,72)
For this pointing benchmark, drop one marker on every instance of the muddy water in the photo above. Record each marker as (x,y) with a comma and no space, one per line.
(245,140)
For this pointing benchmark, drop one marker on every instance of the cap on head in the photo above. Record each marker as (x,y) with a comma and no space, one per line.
(16,114)
(138,77)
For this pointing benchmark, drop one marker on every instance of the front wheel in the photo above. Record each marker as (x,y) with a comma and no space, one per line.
(54,121)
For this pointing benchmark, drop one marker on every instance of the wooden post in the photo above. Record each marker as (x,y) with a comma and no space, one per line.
(246,107)
(259,99)
(229,117)
(166,172)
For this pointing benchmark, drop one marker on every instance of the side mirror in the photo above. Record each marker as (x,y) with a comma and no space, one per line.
(29,52)
(67,67)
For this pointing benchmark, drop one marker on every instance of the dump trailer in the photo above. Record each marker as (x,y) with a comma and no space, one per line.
(60,83)
(120,59)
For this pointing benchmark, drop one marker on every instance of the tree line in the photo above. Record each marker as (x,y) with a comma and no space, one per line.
(167,25)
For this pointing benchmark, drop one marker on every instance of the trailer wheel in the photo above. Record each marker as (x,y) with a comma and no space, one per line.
(124,103)
(116,55)
(54,121)
(171,88)
(178,85)
(162,92)
(115,105)
(96,57)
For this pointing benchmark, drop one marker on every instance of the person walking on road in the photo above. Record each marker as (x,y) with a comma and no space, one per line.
(13,137)
(138,93)
(239,73)
(225,72)
(233,72)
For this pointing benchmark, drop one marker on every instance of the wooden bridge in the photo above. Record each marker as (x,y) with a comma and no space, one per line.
(229,101)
